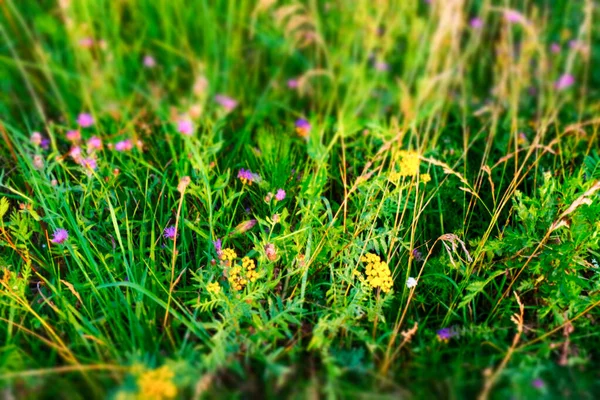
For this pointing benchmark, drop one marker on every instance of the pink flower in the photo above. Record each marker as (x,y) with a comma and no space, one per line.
(89,163)
(555,48)
(85,120)
(149,61)
(292,83)
(247,176)
(185,127)
(226,102)
(38,162)
(36,138)
(170,232)
(75,153)
(476,23)
(218,246)
(73,136)
(513,16)
(303,127)
(270,251)
(280,195)
(124,145)
(381,66)
(60,236)
(564,82)
(86,42)
(94,143)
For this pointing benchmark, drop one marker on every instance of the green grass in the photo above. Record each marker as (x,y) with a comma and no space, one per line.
(446,150)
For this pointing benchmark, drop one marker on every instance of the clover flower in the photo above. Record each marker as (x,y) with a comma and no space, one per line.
(73,136)
(94,143)
(124,145)
(170,232)
(213,288)
(555,48)
(513,16)
(89,163)
(476,23)
(149,61)
(280,195)
(60,236)
(247,176)
(36,138)
(185,127)
(157,384)
(38,161)
(564,82)
(378,272)
(302,127)
(411,282)
(226,102)
(292,83)
(75,154)
(85,120)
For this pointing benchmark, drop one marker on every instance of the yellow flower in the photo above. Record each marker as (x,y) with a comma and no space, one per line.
(157,384)
(228,255)
(378,272)
(409,164)
(425,178)
(213,287)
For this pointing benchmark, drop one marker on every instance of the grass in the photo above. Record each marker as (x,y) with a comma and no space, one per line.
(459,152)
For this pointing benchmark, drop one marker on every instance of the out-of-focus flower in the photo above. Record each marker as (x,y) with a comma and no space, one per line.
(86,42)
(170,232)
(124,145)
(409,163)
(280,195)
(268,197)
(244,226)
(555,48)
(292,83)
(213,288)
(381,66)
(85,120)
(184,182)
(75,154)
(89,163)
(94,143)
(36,138)
(247,176)
(200,85)
(537,383)
(275,218)
(513,16)
(564,82)
(411,282)
(149,61)
(60,236)
(73,136)
(302,128)
(218,246)
(445,334)
(476,23)
(417,255)
(38,162)
(45,143)
(157,384)
(378,272)
(226,102)
(185,127)
(270,251)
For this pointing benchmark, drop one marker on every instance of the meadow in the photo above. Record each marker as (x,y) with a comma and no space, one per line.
(299,199)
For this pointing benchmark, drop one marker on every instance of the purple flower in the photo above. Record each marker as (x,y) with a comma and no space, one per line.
(292,83)
(94,143)
(185,127)
(280,195)
(170,232)
(218,246)
(417,255)
(537,383)
(555,48)
(247,176)
(124,145)
(226,102)
(149,61)
(89,163)
(45,143)
(85,120)
(476,23)
(513,16)
(564,82)
(445,334)
(302,127)
(75,153)
(59,236)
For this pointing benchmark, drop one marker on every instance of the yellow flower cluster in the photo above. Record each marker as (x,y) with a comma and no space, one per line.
(239,276)
(378,272)
(409,164)
(213,287)
(157,384)
(228,255)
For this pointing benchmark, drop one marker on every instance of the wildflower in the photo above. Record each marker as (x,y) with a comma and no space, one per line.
(36,138)
(183,183)
(85,120)
(275,218)
(60,236)
(89,163)
(149,61)
(564,82)
(124,145)
(555,48)
(270,251)
(378,272)
(411,282)
(303,128)
(409,164)
(236,279)
(73,136)
(292,83)
(75,153)
(445,334)
(280,195)
(250,267)
(227,255)
(157,384)
(425,178)
(513,16)
(213,287)
(381,66)
(200,85)
(170,232)
(245,226)
(94,143)
(86,42)
(417,255)
(268,197)
(522,139)
(247,176)
(185,127)
(537,383)
(218,247)
(476,23)
(45,143)
(226,102)
(38,162)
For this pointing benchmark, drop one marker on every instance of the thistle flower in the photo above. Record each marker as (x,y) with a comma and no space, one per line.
(36,138)
(60,236)
(411,282)
(247,176)
(94,143)
(149,61)
(170,232)
(476,23)
(185,127)
(85,120)
(124,145)
(157,384)
(73,136)
(302,128)
(226,102)
(280,195)
(564,82)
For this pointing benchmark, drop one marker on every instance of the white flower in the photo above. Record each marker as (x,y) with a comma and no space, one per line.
(411,283)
